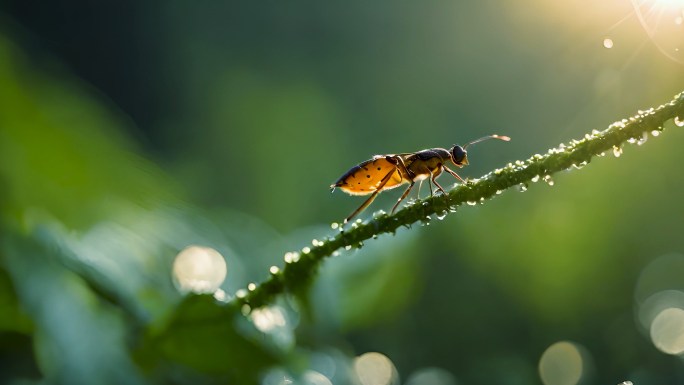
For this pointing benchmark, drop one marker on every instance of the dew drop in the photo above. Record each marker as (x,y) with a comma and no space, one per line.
(471,203)
(549,180)
(499,192)
(535,179)
(643,139)
(252,286)
(617,151)
(379,213)
(522,187)
(655,132)
(289,257)
(334,225)
(441,215)
(241,293)
(632,140)
(348,247)
(274,269)
(601,155)
(679,122)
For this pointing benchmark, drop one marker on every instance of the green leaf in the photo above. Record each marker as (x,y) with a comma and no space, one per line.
(202,334)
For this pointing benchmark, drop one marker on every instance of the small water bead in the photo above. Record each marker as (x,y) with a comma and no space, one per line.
(617,151)
(522,187)
(334,225)
(631,140)
(241,293)
(245,309)
(379,213)
(348,247)
(602,154)
(499,192)
(549,180)
(535,179)
(643,139)
(655,133)
(679,122)
(274,270)
(471,203)
(252,286)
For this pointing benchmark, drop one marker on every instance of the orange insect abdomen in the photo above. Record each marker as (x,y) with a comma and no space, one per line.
(365,178)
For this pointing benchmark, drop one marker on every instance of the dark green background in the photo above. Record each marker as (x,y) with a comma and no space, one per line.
(129,130)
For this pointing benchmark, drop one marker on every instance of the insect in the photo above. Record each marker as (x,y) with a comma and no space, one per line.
(385,172)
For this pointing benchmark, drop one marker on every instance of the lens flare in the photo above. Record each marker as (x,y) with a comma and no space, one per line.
(663,22)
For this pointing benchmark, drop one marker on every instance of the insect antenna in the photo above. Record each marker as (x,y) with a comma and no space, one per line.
(500,137)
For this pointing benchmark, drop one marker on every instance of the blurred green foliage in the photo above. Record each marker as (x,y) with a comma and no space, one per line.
(128,132)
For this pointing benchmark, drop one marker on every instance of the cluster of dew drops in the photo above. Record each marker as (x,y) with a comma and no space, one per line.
(294,256)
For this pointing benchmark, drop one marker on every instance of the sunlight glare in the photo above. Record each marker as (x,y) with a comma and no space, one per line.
(662,21)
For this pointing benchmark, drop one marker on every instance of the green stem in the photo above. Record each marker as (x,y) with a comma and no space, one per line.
(301,267)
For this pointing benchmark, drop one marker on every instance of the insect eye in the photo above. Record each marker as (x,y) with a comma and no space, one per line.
(458,154)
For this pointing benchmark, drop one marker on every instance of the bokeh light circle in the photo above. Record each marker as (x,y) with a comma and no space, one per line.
(375,369)
(199,269)
(562,364)
(311,377)
(431,376)
(667,331)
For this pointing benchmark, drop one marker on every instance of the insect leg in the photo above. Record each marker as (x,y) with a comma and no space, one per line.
(403,196)
(368,201)
(434,180)
(454,174)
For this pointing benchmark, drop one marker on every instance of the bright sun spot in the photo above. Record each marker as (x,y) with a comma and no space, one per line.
(663,21)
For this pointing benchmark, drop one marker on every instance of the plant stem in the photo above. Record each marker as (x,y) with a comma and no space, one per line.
(301,267)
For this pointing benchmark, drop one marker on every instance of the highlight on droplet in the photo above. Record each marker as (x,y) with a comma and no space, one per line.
(199,270)
(374,368)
